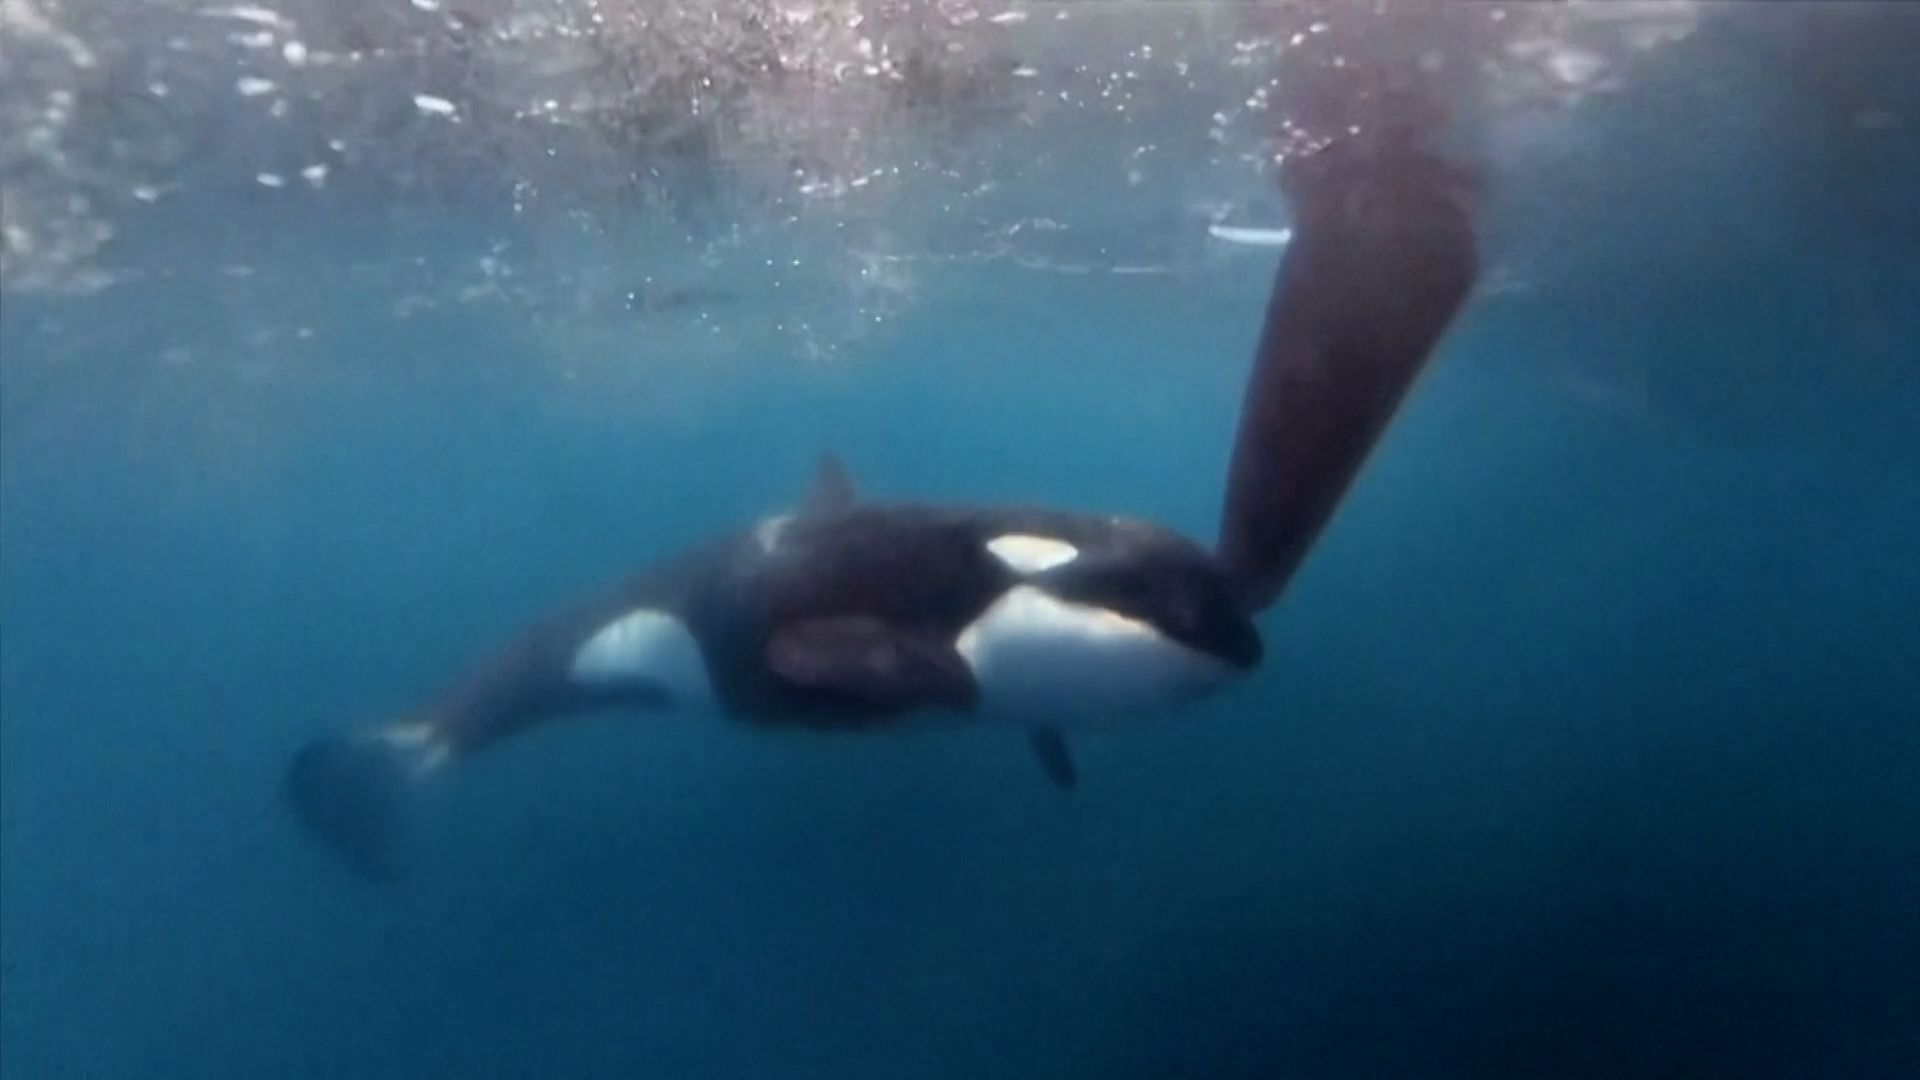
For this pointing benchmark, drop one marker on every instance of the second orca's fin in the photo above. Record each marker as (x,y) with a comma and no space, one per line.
(1383,257)
(832,488)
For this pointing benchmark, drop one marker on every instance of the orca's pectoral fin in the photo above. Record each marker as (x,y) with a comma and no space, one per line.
(1383,256)
(832,490)
(1055,759)
(864,666)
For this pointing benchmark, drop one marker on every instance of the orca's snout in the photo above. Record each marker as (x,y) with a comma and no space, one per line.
(1214,627)
(1242,647)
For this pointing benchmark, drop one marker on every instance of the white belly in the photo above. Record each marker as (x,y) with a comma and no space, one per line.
(1037,658)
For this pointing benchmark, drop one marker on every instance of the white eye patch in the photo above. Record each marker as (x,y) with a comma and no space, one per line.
(649,647)
(1025,553)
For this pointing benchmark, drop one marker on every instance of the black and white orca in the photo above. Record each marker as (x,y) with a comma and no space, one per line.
(857,614)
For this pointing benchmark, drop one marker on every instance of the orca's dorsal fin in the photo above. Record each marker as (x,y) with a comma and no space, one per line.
(1382,258)
(832,488)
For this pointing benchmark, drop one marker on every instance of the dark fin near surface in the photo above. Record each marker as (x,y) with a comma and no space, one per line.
(832,488)
(1383,257)
(351,794)
(1050,750)
(864,666)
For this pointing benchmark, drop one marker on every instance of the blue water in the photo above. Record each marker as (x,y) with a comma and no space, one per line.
(1586,745)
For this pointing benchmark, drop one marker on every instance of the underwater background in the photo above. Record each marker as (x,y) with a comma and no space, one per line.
(1587,740)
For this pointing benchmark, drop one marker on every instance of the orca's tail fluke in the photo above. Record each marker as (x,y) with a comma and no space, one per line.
(351,792)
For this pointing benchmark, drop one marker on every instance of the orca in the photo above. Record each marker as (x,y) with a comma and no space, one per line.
(856,614)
